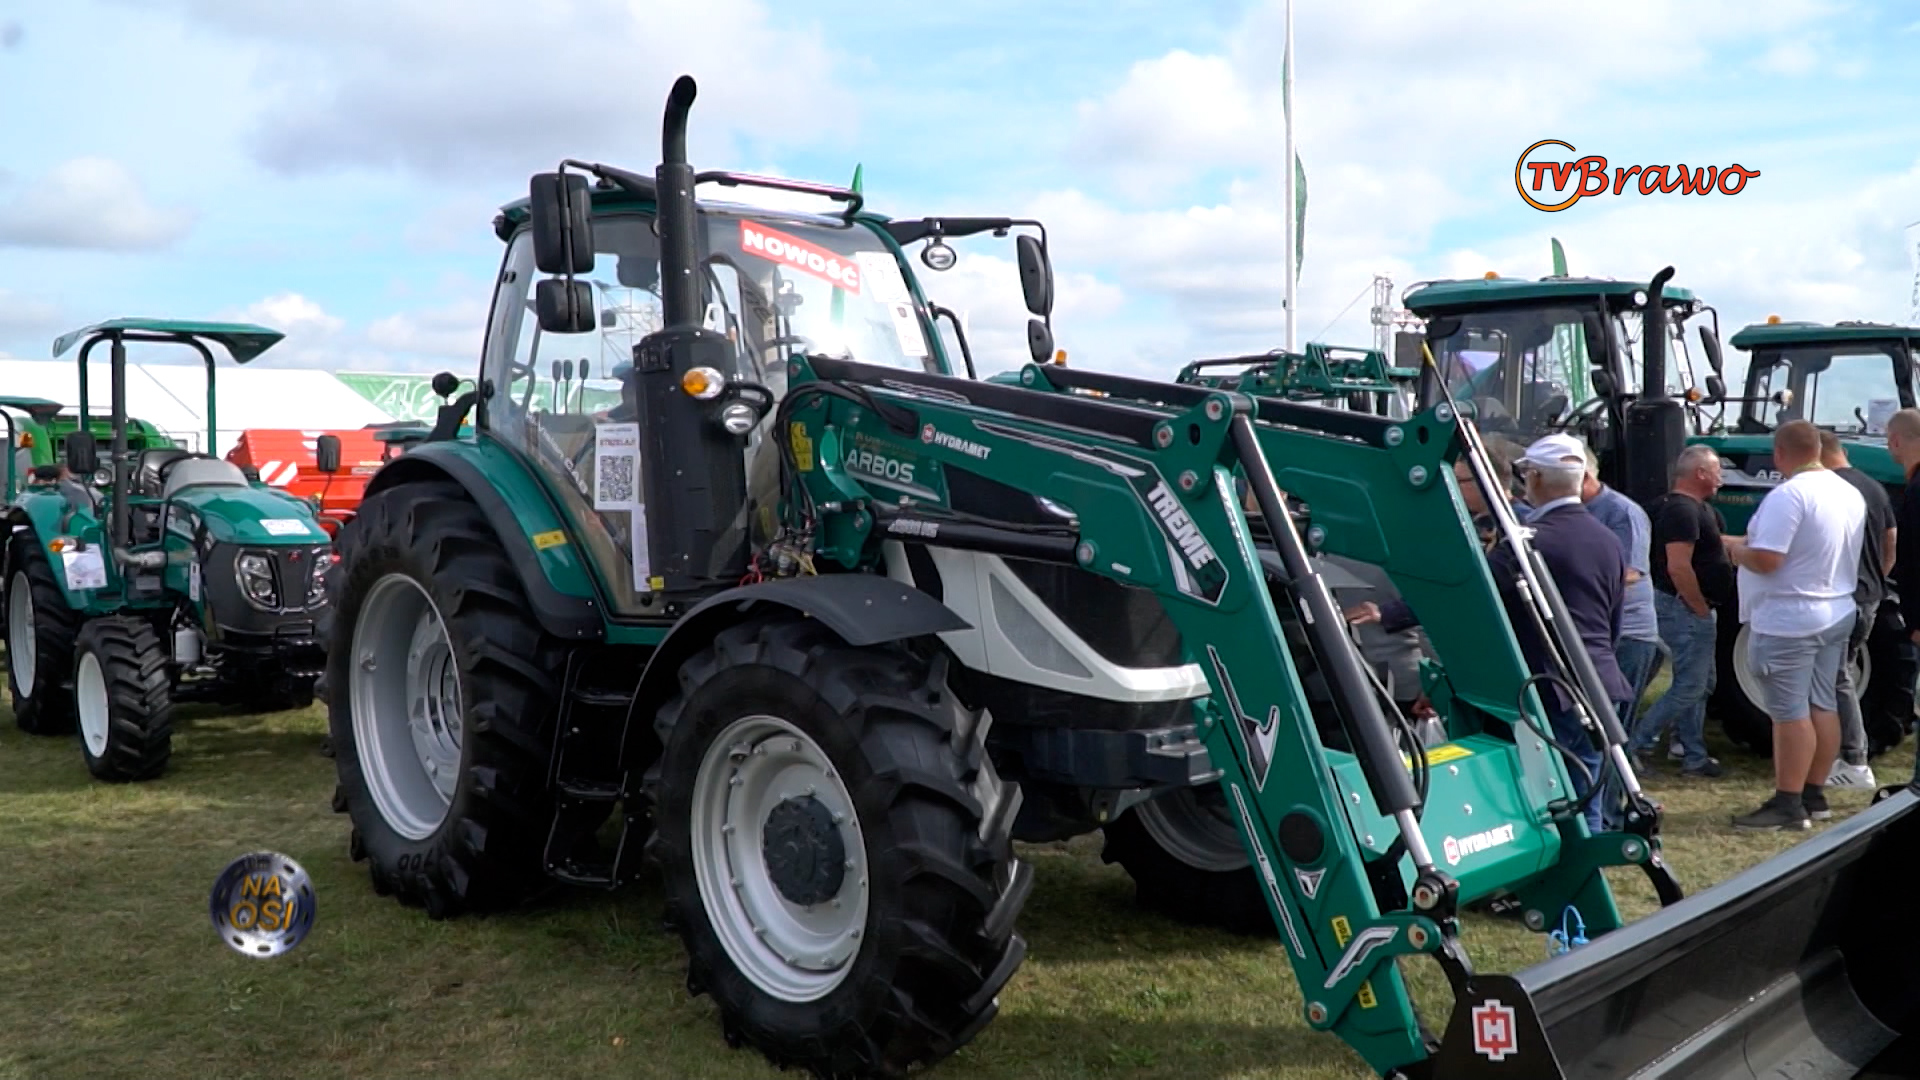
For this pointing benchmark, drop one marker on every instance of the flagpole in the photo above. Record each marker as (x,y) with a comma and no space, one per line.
(1293,243)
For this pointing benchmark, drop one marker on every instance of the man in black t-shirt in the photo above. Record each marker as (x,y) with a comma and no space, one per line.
(1876,555)
(1692,581)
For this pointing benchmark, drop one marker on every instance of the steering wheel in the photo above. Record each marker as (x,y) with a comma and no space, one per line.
(1581,415)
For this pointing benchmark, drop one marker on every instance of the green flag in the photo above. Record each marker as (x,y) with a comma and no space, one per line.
(1299,181)
(1569,342)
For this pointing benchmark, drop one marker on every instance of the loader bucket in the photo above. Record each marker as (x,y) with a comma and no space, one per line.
(1806,967)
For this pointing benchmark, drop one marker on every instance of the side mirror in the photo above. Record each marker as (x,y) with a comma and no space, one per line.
(445,383)
(1039,341)
(1438,329)
(564,307)
(1716,386)
(326,453)
(1710,344)
(1036,276)
(1603,384)
(558,209)
(83,455)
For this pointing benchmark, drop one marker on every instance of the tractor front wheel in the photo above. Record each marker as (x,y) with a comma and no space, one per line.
(1188,862)
(123,694)
(442,696)
(836,849)
(40,633)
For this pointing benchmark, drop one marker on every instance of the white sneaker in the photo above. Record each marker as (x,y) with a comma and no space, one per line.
(1676,752)
(1850,776)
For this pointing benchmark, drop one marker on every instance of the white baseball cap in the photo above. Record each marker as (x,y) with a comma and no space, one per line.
(1555,452)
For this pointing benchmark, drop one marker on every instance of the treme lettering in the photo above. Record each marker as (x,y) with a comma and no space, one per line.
(1185,533)
(1588,177)
(779,247)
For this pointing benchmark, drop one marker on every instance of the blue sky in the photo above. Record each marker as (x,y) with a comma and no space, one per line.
(332,169)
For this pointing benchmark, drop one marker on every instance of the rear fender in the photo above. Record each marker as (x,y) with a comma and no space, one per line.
(864,609)
(40,515)
(1802,966)
(554,574)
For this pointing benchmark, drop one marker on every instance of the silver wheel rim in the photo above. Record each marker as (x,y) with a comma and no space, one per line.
(1743,670)
(795,952)
(90,701)
(1186,827)
(405,691)
(21,651)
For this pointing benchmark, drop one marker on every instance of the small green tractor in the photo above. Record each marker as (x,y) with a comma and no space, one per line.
(817,630)
(160,576)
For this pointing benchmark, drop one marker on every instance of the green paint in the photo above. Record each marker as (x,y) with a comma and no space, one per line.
(1443,297)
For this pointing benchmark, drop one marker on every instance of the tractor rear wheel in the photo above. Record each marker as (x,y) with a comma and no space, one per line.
(836,849)
(1736,691)
(40,633)
(1188,862)
(123,694)
(442,698)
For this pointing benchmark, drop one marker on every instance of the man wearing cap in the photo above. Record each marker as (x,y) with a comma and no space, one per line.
(1589,569)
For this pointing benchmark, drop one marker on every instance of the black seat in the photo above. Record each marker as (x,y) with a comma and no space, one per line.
(150,469)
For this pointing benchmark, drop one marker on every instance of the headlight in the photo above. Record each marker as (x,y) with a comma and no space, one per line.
(254,573)
(317,578)
(738,417)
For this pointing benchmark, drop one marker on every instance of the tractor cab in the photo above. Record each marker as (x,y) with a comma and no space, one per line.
(1847,377)
(25,421)
(1564,354)
(159,559)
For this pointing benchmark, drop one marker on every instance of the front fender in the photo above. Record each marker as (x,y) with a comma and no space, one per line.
(864,609)
(42,512)
(551,567)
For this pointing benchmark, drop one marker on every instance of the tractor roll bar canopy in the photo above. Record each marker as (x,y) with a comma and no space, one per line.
(243,341)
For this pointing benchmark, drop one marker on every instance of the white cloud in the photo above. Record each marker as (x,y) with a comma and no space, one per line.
(24,316)
(90,203)
(451,333)
(453,87)
(984,290)
(1790,58)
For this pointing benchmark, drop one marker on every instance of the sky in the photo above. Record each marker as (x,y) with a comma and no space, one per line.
(332,170)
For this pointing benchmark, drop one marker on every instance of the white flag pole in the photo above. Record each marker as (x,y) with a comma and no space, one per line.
(1293,242)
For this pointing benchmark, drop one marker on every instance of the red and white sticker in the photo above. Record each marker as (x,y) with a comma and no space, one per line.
(776,246)
(1493,1034)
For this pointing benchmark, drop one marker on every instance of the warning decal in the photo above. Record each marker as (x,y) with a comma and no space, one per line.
(791,251)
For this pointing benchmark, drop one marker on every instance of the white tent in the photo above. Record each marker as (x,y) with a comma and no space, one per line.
(173,397)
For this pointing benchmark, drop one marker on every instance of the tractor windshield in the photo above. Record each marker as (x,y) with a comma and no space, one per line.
(774,285)
(1522,367)
(1849,387)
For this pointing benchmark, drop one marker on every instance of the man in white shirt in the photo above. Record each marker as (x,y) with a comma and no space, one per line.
(1799,563)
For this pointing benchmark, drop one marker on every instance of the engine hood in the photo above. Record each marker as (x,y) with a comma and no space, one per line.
(257,517)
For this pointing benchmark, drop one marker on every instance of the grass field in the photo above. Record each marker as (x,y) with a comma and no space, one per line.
(109,967)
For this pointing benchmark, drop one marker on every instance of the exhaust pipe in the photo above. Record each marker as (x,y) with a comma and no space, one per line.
(1654,428)
(673,185)
(1653,342)
(1801,968)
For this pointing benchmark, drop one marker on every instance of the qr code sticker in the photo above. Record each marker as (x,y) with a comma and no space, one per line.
(616,479)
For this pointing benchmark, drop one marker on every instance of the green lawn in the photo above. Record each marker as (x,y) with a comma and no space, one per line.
(109,966)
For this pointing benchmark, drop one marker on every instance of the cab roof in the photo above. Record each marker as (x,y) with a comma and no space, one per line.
(244,341)
(608,197)
(1759,335)
(1434,296)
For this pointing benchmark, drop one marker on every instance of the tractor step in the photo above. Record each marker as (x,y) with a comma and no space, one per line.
(589,778)
(590,791)
(575,855)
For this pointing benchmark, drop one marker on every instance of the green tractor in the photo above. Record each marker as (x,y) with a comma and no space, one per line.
(158,577)
(37,430)
(819,630)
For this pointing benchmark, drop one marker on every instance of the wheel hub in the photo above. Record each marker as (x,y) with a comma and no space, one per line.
(806,858)
(405,693)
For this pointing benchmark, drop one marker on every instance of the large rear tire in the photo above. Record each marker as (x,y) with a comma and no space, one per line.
(123,695)
(1188,862)
(442,697)
(41,629)
(862,920)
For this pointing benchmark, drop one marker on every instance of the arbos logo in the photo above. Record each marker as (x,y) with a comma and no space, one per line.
(1587,177)
(1197,570)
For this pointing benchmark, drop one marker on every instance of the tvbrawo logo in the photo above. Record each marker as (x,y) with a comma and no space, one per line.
(1586,177)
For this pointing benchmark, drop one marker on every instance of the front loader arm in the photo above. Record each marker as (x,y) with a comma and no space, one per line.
(1153,494)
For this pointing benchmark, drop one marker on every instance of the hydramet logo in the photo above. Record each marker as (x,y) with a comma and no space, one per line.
(1586,177)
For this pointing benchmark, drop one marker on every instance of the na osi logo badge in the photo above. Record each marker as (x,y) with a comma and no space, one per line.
(1586,177)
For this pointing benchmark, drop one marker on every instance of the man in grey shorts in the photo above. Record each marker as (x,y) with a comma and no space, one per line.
(1798,565)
